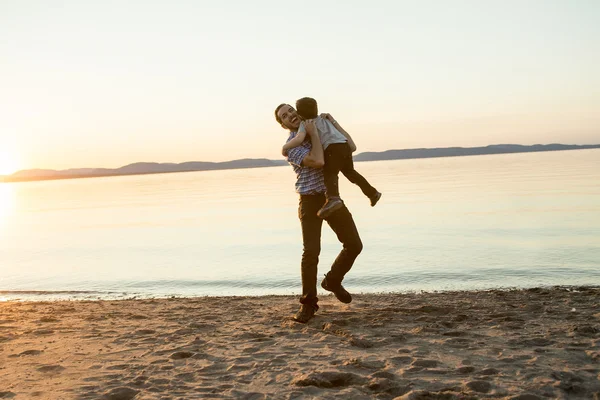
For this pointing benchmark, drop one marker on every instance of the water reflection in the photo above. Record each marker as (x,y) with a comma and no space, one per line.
(7,202)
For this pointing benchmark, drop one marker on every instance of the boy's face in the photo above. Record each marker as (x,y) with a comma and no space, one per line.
(289,117)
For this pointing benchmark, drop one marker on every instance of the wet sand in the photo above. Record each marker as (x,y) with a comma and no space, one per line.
(517,344)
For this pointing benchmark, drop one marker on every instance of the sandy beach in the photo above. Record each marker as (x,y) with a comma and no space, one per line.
(517,344)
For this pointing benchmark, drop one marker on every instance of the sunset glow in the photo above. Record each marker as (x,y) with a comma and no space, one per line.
(160,81)
(9,162)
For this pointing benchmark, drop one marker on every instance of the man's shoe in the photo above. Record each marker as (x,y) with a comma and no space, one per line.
(375,198)
(305,313)
(333,204)
(340,293)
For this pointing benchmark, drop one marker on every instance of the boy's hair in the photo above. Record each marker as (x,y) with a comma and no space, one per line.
(306,107)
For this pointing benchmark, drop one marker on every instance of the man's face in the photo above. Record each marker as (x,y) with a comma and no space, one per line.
(289,117)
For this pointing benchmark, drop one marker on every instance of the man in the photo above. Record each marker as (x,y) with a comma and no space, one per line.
(307,161)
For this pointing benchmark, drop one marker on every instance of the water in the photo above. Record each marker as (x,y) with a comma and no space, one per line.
(514,220)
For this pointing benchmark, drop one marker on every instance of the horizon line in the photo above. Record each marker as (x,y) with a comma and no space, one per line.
(269,159)
(111,172)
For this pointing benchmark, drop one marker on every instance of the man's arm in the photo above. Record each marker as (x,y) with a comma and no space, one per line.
(315,158)
(342,130)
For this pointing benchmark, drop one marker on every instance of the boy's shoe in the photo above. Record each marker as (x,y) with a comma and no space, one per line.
(375,198)
(338,290)
(333,204)
(305,313)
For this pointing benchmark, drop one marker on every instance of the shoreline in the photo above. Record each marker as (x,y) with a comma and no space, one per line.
(522,344)
(106,295)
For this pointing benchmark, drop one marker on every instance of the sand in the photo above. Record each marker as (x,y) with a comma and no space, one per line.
(517,344)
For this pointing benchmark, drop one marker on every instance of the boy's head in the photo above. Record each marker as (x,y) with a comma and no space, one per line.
(307,108)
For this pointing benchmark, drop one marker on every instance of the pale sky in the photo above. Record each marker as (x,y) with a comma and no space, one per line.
(106,83)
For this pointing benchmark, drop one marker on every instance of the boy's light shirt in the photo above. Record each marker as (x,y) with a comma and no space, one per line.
(327,132)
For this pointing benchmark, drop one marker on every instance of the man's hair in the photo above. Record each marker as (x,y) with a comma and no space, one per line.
(277,115)
(306,107)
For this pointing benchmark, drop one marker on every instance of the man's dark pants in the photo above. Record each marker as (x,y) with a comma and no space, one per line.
(338,158)
(342,224)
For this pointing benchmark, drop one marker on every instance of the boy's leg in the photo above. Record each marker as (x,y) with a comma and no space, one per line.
(354,177)
(334,160)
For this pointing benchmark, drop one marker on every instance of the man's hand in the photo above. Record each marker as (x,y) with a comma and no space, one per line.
(284,152)
(310,127)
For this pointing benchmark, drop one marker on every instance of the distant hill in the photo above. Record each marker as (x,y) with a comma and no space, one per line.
(466,151)
(139,169)
(159,168)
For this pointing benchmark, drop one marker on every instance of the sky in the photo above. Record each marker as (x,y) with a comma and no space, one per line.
(106,83)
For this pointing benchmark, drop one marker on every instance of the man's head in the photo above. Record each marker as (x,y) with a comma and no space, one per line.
(307,108)
(287,117)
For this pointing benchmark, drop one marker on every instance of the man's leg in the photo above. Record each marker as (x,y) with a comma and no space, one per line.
(343,225)
(311,238)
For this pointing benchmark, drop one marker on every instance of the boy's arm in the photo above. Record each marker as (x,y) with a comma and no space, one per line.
(315,158)
(295,142)
(342,131)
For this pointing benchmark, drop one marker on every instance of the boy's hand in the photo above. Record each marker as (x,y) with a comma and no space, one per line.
(283,152)
(328,117)
(310,127)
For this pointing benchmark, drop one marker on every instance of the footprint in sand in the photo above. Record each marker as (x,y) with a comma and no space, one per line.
(141,332)
(139,380)
(367,364)
(41,332)
(467,369)
(51,368)
(122,393)
(138,317)
(160,381)
(525,396)
(490,371)
(238,367)
(384,375)
(425,363)
(454,333)
(329,379)
(48,319)
(533,342)
(186,376)
(585,330)
(118,367)
(378,385)
(403,360)
(361,343)
(479,386)
(458,342)
(30,353)
(180,355)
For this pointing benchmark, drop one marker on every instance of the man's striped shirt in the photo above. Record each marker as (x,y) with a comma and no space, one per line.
(309,180)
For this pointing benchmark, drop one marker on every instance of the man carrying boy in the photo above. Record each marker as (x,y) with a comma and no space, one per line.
(338,147)
(307,161)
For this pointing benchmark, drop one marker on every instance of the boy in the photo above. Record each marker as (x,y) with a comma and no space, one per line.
(338,156)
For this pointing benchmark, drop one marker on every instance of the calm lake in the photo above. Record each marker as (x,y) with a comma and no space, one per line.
(514,220)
